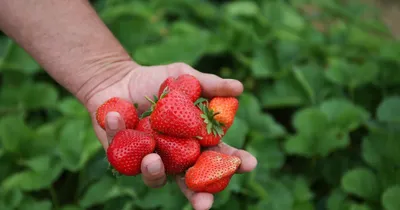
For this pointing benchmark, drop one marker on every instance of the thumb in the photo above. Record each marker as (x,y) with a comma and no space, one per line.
(214,85)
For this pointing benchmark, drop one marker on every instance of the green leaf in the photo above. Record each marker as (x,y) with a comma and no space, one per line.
(279,196)
(37,178)
(78,143)
(236,135)
(71,207)
(315,135)
(391,198)
(15,135)
(17,59)
(30,204)
(361,182)
(355,206)
(40,95)
(72,107)
(99,192)
(170,197)
(250,111)
(348,74)
(178,47)
(337,200)
(241,8)
(262,65)
(344,114)
(388,110)
(268,151)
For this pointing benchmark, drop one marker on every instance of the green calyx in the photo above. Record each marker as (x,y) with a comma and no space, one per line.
(153,103)
(213,126)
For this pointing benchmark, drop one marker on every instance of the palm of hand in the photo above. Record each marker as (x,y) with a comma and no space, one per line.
(145,81)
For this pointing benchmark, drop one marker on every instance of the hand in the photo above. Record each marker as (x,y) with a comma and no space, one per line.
(145,81)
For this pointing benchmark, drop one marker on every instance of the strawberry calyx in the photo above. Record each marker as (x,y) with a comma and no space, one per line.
(154,102)
(212,125)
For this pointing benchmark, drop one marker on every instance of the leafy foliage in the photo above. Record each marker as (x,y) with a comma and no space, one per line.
(320,109)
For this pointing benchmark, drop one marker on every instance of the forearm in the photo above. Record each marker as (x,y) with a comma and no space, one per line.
(68,40)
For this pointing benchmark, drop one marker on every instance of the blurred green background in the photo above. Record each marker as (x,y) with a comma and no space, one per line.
(320,109)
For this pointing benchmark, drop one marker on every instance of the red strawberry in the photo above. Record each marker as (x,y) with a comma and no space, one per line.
(186,83)
(212,131)
(176,115)
(144,125)
(226,108)
(212,172)
(209,139)
(127,150)
(177,154)
(126,109)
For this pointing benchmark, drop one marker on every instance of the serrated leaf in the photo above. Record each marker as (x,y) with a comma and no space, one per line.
(40,95)
(315,135)
(348,74)
(263,65)
(169,198)
(72,107)
(99,192)
(344,114)
(250,111)
(280,197)
(391,198)
(236,134)
(361,182)
(78,143)
(388,110)
(337,200)
(30,180)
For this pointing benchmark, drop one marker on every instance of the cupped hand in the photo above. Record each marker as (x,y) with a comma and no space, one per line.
(145,81)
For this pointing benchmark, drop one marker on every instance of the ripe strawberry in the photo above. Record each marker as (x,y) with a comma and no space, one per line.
(127,150)
(144,125)
(176,115)
(209,139)
(177,154)
(126,109)
(226,108)
(212,130)
(212,172)
(186,83)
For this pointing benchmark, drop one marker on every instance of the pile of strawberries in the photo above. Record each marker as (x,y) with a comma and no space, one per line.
(179,126)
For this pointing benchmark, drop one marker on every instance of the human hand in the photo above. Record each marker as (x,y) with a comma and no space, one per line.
(138,82)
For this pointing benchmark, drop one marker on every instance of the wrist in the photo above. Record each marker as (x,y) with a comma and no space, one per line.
(99,77)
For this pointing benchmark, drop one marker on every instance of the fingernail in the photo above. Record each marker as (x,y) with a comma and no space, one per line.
(154,168)
(112,122)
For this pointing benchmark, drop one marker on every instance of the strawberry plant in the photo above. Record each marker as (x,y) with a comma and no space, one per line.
(320,111)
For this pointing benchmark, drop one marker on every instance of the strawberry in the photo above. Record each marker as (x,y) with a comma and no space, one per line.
(226,108)
(126,109)
(212,172)
(144,125)
(127,150)
(212,130)
(185,83)
(176,115)
(177,154)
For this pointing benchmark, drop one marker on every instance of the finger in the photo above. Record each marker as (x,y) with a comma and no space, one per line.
(212,84)
(114,123)
(153,172)
(249,162)
(199,201)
